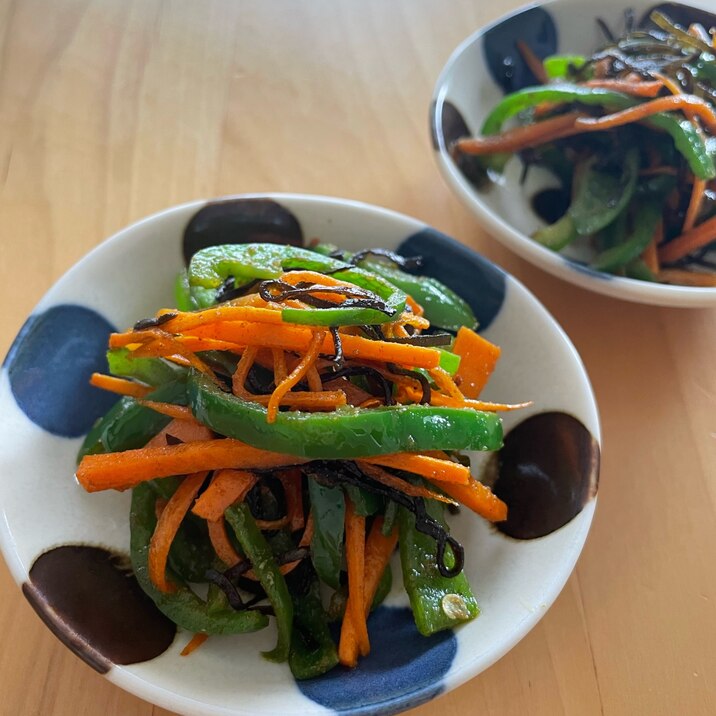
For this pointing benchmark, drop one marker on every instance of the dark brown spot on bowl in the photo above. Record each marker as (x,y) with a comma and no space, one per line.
(91,601)
(241,221)
(546,472)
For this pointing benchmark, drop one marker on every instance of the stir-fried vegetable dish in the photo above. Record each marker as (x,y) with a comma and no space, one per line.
(294,419)
(630,133)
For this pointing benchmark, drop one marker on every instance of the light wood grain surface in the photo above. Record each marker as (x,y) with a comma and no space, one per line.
(113,109)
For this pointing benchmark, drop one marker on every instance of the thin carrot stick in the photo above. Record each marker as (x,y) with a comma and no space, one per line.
(689,241)
(292,482)
(278,524)
(226,487)
(533,62)
(355,562)
(238,380)
(178,412)
(185,431)
(636,89)
(167,527)
(121,386)
(194,643)
(684,102)
(444,471)
(698,193)
(279,365)
(479,498)
(315,385)
(295,376)
(444,381)
(687,278)
(122,470)
(186,321)
(219,538)
(380,475)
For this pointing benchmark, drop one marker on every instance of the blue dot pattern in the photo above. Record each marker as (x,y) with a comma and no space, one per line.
(588,270)
(49,366)
(536,28)
(404,669)
(472,277)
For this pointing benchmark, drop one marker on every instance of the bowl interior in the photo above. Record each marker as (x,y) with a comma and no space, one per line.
(129,277)
(484,68)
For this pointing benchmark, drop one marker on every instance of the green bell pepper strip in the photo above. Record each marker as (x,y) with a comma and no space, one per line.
(646,219)
(128,425)
(183,299)
(365,503)
(437,602)
(258,551)
(211,266)
(329,512)
(686,137)
(313,651)
(389,517)
(558,67)
(600,196)
(339,598)
(183,607)
(347,432)
(153,371)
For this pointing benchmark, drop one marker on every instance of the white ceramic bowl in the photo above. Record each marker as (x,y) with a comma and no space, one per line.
(46,407)
(468,89)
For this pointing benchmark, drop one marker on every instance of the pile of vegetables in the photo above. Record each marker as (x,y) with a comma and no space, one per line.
(630,132)
(298,415)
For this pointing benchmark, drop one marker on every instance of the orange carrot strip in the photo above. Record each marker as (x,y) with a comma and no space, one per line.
(315,385)
(636,89)
(478,358)
(479,498)
(186,321)
(686,102)
(279,365)
(159,504)
(378,551)
(305,542)
(243,367)
(533,62)
(355,563)
(689,241)
(121,386)
(687,278)
(272,524)
(415,307)
(414,396)
(219,538)
(444,381)
(298,338)
(167,527)
(444,471)
(178,412)
(226,487)
(380,475)
(296,374)
(698,192)
(187,431)
(522,137)
(292,481)
(194,643)
(121,470)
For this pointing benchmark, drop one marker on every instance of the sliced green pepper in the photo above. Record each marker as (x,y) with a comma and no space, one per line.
(211,266)
(259,552)
(153,371)
(183,607)
(437,602)
(347,432)
(329,511)
(365,503)
(559,67)
(686,137)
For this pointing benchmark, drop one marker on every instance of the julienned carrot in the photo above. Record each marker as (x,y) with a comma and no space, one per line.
(279,365)
(295,375)
(306,400)
(122,470)
(380,475)
(219,538)
(167,527)
(687,278)
(478,358)
(226,488)
(689,241)
(194,643)
(292,482)
(479,498)
(533,62)
(238,379)
(378,551)
(444,381)
(185,431)
(413,395)
(685,102)
(186,321)
(355,563)
(522,137)
(315,385)
(278,524)
(697,197)
(444,471)
(178,412)
(297,338)
(121,386)
(636,89)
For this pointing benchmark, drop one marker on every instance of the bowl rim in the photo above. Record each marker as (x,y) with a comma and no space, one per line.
(563,267)
(125,678)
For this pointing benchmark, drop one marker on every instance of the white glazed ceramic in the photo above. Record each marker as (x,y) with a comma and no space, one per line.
(468,85)
(42,506)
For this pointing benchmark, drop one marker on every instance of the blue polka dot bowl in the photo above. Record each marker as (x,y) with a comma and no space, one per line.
(67,549)
(486,67)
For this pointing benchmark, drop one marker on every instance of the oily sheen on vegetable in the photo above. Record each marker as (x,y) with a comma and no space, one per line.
(293,420)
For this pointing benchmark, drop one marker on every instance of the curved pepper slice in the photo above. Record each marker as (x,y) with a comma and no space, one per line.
(346,433)
(246,262)
(183,607)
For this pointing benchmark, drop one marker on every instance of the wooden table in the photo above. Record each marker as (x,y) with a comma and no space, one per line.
(113,109)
